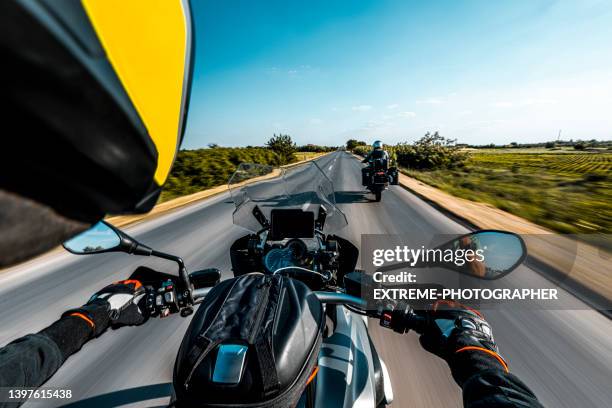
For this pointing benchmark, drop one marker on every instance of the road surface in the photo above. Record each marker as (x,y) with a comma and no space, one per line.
(565,356)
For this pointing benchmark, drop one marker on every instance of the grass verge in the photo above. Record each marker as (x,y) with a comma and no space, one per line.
(567,193)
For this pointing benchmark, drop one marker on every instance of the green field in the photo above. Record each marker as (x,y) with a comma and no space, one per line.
(563,190)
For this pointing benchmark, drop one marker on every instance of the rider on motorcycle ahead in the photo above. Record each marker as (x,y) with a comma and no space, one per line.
(377,152)
(94,141)
(378,175)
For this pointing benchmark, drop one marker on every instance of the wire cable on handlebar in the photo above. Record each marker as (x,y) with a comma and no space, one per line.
(358,311)
(326,278)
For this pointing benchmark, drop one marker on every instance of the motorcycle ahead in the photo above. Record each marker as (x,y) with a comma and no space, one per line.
(292,247)
(377,176)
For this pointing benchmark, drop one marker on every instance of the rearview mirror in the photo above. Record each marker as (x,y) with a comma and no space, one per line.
(103,237)
(486,254)
(99,238)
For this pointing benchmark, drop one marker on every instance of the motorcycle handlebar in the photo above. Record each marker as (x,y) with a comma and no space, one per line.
(401,319)
(325,297)
(341,298)
(200,294)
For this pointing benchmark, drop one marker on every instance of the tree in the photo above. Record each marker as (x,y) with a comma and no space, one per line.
(353,143)
(283,146)
(432,151)
(213,145)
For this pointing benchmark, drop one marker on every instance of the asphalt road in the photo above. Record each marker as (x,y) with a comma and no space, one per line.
(565,356)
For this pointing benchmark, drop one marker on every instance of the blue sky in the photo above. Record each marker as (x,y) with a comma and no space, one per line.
(326,71)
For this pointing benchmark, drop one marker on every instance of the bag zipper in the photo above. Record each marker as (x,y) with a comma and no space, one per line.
(260,312)
(261,308)
(202,336)
(199,360)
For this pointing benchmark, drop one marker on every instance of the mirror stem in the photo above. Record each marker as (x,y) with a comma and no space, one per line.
(142,250)
(182,270)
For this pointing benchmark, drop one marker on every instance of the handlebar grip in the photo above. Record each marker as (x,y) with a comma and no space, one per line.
(200,294)
(402,319)
(340,298)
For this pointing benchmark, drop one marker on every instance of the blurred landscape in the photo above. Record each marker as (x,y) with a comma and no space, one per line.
(200,169)
(564,187)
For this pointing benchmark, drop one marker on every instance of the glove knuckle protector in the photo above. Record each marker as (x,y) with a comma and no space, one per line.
(462,337)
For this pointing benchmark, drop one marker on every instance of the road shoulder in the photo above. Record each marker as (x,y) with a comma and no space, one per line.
(580,268)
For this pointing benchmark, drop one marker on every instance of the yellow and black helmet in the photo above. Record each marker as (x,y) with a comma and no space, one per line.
(95,101)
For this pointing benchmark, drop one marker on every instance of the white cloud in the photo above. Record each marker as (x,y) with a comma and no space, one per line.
(374,124)
(292,71)
(503,104)
(406,115)
(362,108)
(393,106)
(525,102)
(430,101)
(539,101)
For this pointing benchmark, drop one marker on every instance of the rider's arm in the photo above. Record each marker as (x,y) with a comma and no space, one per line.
(463,338)
(484,377)
(30,360)
(495,388)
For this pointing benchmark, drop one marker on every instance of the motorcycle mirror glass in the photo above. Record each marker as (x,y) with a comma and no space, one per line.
(101,237)
(487,254)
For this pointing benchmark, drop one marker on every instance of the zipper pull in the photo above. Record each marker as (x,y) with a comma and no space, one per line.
(266,282)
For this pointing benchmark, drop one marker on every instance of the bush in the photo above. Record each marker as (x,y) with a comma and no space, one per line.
(284,147)
(315,148)
(353,143)
(593,177)
(361,150)
(196,170)
(430,152)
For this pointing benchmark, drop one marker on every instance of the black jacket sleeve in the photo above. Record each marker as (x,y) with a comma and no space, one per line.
(30,360)
(496,388)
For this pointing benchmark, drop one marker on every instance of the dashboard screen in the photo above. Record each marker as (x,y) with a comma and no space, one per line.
(291,223)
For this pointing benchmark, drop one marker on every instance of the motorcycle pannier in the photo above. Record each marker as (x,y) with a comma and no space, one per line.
(366,175)
(253,342)
(393,176)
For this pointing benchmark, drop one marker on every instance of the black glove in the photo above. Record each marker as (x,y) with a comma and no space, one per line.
(462,337)
(119,304)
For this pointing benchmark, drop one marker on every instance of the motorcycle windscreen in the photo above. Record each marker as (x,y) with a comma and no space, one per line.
(258,189)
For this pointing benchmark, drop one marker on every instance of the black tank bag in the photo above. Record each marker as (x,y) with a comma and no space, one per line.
(253,342)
